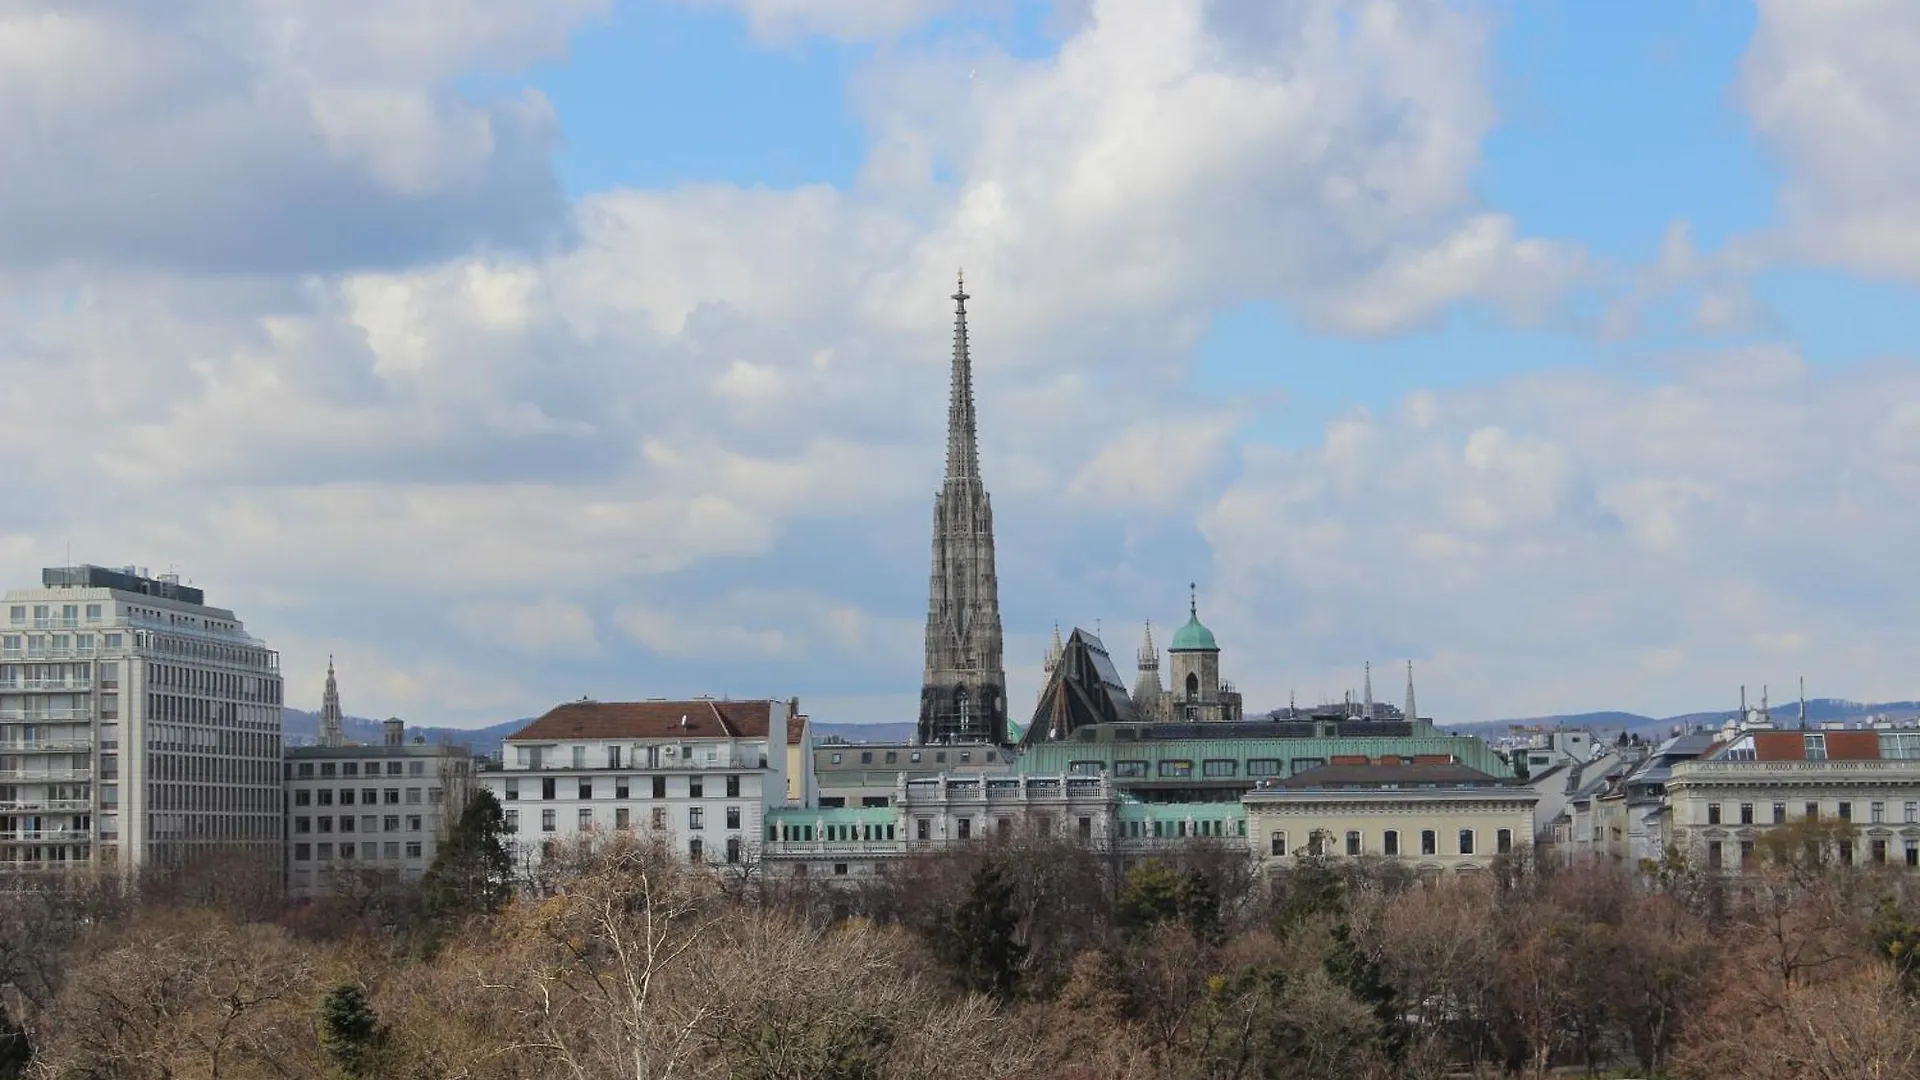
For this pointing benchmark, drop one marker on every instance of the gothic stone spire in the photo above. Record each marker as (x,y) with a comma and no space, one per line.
(963,693)
(332,730)
(1412,714)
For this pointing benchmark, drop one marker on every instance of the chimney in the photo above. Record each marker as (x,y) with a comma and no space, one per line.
(395,731)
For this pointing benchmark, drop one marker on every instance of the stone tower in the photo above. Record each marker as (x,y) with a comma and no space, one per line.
(963,696)
(332,730)
(1148,696)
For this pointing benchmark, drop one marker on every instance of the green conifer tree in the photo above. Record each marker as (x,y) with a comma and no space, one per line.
(350,1030)
(473,871)
(979,940)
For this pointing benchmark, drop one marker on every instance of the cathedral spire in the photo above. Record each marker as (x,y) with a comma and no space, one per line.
(1412,713)
(1368,707)
(332,730)
(963,434)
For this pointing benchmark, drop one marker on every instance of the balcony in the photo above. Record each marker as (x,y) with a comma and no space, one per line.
(69,684)
(31,775)
(46,746)
(49,806)
(45,716)
(46,836)
(60,623)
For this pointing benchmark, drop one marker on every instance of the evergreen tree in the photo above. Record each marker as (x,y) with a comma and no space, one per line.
(350,1030)
(473,871)
(1363,978)
(16,1053)
(979,940)
(1151,896)
(1313,888)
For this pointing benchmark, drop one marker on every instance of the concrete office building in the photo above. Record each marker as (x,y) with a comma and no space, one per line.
(138,725)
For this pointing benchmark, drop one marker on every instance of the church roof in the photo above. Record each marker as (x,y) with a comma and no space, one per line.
(1193,637)
(703,718)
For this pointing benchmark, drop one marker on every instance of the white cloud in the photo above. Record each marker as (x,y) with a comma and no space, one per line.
(547,627)
(785,20)
(1833,86)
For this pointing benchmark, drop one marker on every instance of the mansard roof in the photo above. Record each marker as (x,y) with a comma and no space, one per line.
(701,718)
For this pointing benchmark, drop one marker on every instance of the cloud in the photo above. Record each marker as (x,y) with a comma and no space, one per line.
(851,20)
(1832,86)
(291,136)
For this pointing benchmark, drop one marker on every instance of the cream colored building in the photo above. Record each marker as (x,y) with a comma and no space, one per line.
(1433,818)
(1719,809)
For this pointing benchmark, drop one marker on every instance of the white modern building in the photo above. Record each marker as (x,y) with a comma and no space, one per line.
(357,813)
(703,774)
(138,726)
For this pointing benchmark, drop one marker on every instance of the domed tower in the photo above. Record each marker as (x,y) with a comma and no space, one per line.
(1194,666)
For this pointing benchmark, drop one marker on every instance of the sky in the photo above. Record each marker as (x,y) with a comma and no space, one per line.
(513,351)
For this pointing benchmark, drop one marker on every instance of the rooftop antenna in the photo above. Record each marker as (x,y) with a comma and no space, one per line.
(1803,701)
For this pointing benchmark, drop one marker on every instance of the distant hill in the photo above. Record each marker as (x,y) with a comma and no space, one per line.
(302,728)
(874,733)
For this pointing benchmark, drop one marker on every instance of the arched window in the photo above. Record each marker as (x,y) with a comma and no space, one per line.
(1193,685)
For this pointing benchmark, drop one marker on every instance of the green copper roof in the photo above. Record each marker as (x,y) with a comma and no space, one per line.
(1193,637)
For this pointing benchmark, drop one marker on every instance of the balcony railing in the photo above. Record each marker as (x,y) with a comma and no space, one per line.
(52,806)
(46,836)
(1770,770)
(49,776)
(57,623)
(45,716)
(47,684)
(46,746)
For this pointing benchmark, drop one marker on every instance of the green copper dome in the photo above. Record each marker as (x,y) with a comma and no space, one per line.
(1193,637)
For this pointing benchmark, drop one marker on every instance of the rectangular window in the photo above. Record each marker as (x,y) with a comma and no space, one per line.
(733,817)
(613,757)
(733,849)
(866,757)
(621,785)
(733,787)
(1390,842)
(1813,811)
(1219,767)
(1746,813)
(1713,855)
(1129,768)
(696,817)
(1503,842)
(303,797)
(303,824)
(346,823)
(1086,828)
(923,829)
(413,849)
(1307,764)
(93,612)
(1816,747)
(1912,813)
(324,823)
(1429,842)
(579,757)
(966,828)
(695,849)
(513,821)
(323,851)
(546,820)
(1846,852)
(1879,850)
(1779,813)
(346,796)
(586,789)
(513,789)
(303,853)
(1277,844)
(393,769)
(1177,767)
(586,818)
(1466,841)
(1877,813)
(1746,852)
(659,817)
(324,796)
(696,787)
(1846,811)
(659,787)
(1263,766)
(1353,842)
(413,796)
(621,818)
(893,757)
(390,849)
(1713,813)
(350,770)
(368,796)
(413,822)
(1913,853)
(416,768)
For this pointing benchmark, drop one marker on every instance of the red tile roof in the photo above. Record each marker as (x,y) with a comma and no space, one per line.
(704,718)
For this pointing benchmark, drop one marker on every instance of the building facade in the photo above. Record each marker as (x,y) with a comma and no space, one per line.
(963,694)
(868,774)
(1431,818)
(702,774)
(360,811)
(138,725)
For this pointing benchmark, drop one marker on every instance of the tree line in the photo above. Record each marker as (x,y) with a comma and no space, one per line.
(1024,957)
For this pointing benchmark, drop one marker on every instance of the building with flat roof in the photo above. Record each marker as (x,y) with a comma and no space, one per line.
(138,725)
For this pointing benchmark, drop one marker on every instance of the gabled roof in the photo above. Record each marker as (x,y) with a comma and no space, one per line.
(704,718)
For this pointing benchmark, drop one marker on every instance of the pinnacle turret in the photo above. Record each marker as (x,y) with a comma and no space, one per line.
(332,727)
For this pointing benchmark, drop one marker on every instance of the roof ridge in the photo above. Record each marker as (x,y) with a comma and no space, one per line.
(721,717)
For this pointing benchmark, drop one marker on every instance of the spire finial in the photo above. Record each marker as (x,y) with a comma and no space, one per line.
(1193,599)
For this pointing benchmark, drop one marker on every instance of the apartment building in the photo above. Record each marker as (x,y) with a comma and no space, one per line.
(138,725)
(701,773)
(360,810)
(1433,818)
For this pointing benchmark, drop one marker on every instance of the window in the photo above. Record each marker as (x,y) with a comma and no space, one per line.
(1816,747)
(1390,842)
(966,828)
(413,849)
(546,787)
(413,796)
(586,818)
(1779,813)
(694,849)
(369,796)
(613,757)
(302,852)
(1713,813)
(733,849)
(1429,842)
(914,757)
(1263,766)
(513,789)
(416,768)
(586,789)
(1713,855)
(1877,813)
(866,757)
(1130,768)
(1879,852)
(93,612)
(326,769)
(546,821)
(1813,811)
(513,821)
(303,825)
(696,817)
(346,823)
(1176,767)
(659,817)
(893,757)
(1219,767)
(1353,841)
(1746,852)
(323,852)
(621,785)
(303,797)
(733,787)
(1466,841)
(1846,852)
(1307,764)
(390,849)
(324,796)
(369,823)
(733,817)
(579,757)
(413,822)
(659,787)
(346,796)
(1846,811)
(622,818)
(1746,813)
(305,772)
(939,757)
(1503,842)
(1913,853)
(1912,812)
(1277,844)
(393,769)
(1086,828)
